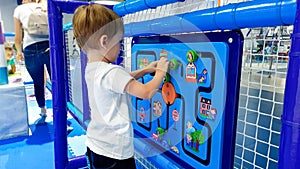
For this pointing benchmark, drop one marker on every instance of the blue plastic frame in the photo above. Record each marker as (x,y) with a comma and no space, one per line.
(250,14)
(59,74)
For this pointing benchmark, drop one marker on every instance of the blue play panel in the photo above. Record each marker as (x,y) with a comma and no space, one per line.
(191,119)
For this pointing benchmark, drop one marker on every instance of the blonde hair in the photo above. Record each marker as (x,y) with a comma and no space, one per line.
(27,1)
(90,22)
(41,1)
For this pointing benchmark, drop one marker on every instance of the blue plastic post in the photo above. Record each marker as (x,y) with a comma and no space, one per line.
(132,6)
(86,108)
(3,66)
(289,149)
(58,86)
(58,67)
(156,3)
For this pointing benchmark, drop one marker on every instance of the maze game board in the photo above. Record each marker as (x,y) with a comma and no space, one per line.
(188,118)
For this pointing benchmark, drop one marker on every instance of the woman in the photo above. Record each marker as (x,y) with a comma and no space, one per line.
(35,50)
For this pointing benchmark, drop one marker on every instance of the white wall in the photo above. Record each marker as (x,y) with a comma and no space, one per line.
(7,9)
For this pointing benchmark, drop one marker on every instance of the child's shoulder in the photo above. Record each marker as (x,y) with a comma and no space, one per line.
(110,67)
(102,67)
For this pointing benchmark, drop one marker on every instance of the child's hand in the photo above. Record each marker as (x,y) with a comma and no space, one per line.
(162,65)
(151,67)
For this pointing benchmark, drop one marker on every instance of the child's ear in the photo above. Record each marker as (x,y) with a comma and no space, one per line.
(103,41)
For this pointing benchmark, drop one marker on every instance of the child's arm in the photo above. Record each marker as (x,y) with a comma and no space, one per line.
(149,69)
(146,91)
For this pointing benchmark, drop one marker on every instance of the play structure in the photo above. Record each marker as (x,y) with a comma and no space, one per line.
(191,121)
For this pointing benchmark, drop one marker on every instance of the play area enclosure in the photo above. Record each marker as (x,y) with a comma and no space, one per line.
(262,13)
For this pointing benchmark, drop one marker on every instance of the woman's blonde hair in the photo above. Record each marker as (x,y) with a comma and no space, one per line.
(90,22)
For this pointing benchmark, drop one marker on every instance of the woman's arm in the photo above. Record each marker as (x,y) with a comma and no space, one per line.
(18,38)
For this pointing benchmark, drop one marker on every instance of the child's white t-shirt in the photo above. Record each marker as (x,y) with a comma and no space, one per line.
(110,131)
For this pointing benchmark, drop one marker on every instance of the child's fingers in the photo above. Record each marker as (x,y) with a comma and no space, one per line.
(154,64)
(163,64)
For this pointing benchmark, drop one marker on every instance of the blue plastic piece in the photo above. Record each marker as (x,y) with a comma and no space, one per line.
(254,14)
(135,6)
(9,34)
(141,28)
(131,6)
(166,25)
(199,21)
(74,110)
(68,6)
(3,76)
(67,26)
(289,147)
(127,30)
(58,85)
(288,7)
(249,14)
(85,102)
(77,162)
(156,3)
(225,16)
(120,9)
(3,67)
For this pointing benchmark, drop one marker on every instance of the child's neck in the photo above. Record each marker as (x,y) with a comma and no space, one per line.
(94,59)
(97,56)
(104,59)
(98,59)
